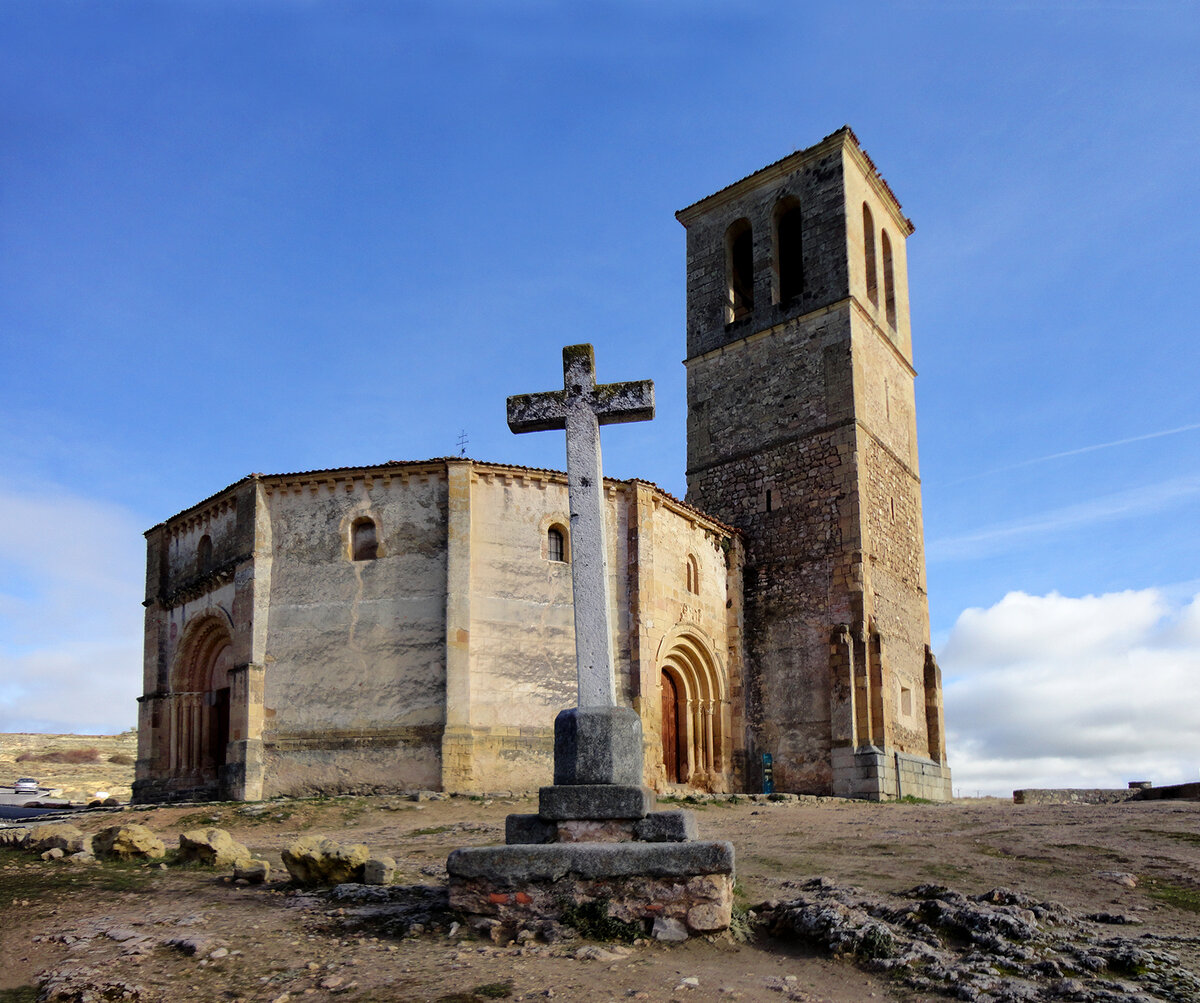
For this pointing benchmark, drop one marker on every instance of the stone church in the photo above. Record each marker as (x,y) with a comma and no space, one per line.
(409,625)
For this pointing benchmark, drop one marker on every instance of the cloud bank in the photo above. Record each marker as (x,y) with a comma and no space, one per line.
(1054,691)
(71,574)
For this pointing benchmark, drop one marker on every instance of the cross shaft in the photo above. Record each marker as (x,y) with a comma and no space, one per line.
(581,407)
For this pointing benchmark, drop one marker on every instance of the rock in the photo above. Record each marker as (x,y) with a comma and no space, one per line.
(82,858)
(214,847)
(1118,878)
(54,853)
(220,952)
(379,871)
(256,872)
(318,860)
(691,982)
(190,946)
(591,952)
(670,930)
(58,835)
(127,842)
(708,916)
(16,838)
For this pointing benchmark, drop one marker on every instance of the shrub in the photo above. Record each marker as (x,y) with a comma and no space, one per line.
(122,759)
(72,756)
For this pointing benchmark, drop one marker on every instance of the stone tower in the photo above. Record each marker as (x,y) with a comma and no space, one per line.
(802,434)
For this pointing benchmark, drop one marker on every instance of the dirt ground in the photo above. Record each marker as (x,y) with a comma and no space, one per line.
(73,781)
(110,924)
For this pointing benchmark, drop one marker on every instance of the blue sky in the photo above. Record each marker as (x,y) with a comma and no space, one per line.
(268,236)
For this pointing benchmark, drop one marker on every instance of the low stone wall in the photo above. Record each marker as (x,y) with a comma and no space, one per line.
(871,773)
(1180,792)
(1074,795)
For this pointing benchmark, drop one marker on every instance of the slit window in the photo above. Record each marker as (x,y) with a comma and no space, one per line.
(889,286)
(364,541)
(556,545)
(739,266)
(204,558)
(869,255)
(789,259)
(692,574)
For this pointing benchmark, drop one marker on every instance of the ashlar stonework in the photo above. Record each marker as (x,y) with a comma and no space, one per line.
(410,625)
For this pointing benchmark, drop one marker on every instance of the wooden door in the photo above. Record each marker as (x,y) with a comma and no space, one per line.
(670,728)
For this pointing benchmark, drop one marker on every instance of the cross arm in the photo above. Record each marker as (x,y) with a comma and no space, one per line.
(537,412)
(620,402)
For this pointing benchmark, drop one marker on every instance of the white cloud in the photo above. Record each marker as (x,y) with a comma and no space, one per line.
(1054,691)
(70,613)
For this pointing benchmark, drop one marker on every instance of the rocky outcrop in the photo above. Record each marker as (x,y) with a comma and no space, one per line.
(999,946)
(318,860)
(213,847)
(58,836)
(127,842)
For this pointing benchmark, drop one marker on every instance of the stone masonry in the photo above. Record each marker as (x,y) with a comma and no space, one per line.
(802,434)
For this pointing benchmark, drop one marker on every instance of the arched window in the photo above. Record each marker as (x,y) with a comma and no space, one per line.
(739,270)
(789,261)
(364,542)
(889,286)
(556,545)
(204,558)
(692,575)
(869,255)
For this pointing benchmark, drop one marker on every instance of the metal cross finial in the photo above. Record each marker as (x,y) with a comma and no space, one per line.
(581,407)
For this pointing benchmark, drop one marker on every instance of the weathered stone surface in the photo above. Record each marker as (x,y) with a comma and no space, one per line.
(518,864)
(529,829)
(318,860)
(214,847)
(638,898)
(668,929)
(598,745)
(379,871)
(127,842)
(595,801)
(58,835)
(15,838)
(580,830)
(666,827)
(255,871)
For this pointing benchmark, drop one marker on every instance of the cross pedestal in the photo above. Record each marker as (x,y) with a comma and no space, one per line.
(596,836)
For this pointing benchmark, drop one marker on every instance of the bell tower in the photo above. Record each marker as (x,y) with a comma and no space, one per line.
(802,434)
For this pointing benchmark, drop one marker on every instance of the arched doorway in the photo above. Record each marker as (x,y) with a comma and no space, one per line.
(695,714)
(199,703)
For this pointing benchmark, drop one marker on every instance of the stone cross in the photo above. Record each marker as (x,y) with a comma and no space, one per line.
(581,407)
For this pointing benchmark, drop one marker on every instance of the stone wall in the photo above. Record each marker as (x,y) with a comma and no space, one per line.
(355,649)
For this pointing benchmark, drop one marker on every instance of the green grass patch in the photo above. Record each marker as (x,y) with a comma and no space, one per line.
(592,920)
(1177,896)
(36,878)
(21,994)
(433,830)
(487,991)
(1183,837)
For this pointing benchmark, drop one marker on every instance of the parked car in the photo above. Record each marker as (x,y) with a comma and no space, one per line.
(25,785)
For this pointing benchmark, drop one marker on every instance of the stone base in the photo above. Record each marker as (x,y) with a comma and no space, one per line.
(523,885)
(878,774)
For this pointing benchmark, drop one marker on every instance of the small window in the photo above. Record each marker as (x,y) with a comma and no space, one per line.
(905,701)
(889,286)
(204,558)
(789,260)
(556,545)
(692,574)
(739,268)
(364,541)
(869,255)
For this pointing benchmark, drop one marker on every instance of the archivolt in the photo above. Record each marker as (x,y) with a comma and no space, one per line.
(204,658)
(702,710)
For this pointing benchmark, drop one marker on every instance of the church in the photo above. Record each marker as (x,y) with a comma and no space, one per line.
(409,625)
